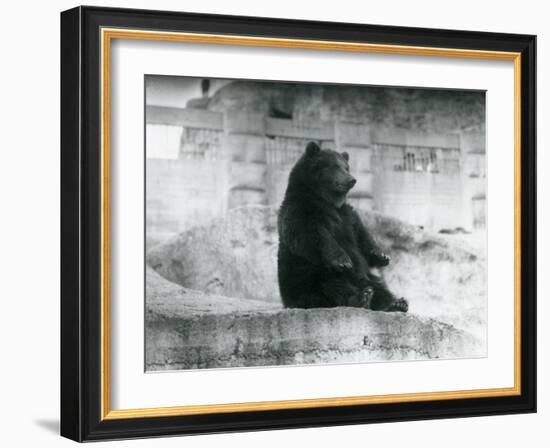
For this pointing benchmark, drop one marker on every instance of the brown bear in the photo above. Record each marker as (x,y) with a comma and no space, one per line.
(326,254)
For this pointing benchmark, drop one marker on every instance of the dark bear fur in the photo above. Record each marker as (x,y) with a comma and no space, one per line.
(326,255)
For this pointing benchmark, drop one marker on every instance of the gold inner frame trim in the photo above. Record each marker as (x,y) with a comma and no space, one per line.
(107,35)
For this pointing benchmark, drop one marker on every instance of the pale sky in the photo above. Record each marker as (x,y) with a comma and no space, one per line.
(175,91)
(163,142)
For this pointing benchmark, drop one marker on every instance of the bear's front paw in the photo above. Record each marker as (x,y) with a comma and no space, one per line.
(379,259)
(340,263)
(399,305)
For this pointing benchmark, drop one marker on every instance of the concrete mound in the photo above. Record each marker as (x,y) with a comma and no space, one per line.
(212,300)
(188,329)
(442,278)
(235,256)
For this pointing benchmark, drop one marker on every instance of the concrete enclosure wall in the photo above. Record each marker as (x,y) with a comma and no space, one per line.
(220,161)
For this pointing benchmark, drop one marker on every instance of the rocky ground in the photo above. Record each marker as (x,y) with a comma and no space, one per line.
(212,300)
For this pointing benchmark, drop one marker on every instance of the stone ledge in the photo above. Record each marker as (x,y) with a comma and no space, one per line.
(184,332)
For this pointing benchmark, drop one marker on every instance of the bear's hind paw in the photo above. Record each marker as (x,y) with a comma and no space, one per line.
(368,294)
(399,305)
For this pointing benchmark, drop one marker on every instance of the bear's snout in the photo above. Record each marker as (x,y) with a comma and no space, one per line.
(345,185)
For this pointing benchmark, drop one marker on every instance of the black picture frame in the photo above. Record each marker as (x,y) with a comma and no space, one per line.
(81,413)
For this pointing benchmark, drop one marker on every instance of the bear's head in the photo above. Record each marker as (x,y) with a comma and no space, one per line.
(323,173)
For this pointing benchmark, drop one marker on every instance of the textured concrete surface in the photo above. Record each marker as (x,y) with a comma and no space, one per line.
(235,257)
(433,111)
(187,329)
(168,299)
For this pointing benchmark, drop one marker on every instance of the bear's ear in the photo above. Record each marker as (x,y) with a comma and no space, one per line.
(312,148)
(345,155)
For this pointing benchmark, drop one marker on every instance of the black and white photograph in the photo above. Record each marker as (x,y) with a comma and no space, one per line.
(291,223)
(275,224)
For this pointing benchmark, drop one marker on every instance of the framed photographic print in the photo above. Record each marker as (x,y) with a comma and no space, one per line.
(274,223)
